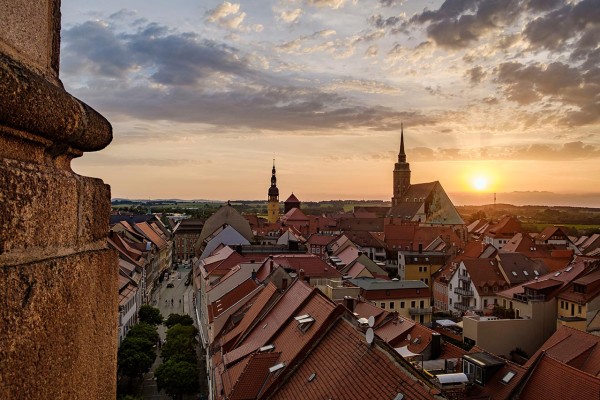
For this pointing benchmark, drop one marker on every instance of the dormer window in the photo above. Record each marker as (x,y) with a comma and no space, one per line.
(304,322)
(578,288)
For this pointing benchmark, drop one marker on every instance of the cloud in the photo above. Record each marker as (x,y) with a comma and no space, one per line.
(569,151)
(573,89)
(476,74)
(228,15)
(391,3)
(156,74)
(290,16)
(333,4)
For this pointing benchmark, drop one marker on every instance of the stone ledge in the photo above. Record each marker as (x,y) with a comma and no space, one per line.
(33,104)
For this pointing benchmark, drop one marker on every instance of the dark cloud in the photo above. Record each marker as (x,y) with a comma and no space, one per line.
(542,152)
(174,58)
(559,83)
(380,22)
(476,74)
(167,75)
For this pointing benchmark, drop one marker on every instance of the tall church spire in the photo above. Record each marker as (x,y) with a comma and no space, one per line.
(401,172)
(401,155)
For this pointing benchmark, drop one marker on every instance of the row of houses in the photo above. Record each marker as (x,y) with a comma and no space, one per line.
(281,319)
(145,249)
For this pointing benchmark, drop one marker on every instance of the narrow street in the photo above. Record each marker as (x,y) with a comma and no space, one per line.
(174,300)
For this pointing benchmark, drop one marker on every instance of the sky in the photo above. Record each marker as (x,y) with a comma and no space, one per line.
(494,96)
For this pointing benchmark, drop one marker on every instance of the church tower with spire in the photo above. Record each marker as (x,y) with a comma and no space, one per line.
(273,198)
(401,172)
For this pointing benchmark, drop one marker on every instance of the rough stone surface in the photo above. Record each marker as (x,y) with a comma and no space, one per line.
(30,41)
(31,103)
(58,280)
(56,339)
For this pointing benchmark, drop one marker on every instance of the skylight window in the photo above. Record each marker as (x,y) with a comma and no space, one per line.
(536,273)
(557,274)
(304,322)
(568,269)
(507,378)
(298,318)
(514,273)
(525,273)
(276,367)
(266,348)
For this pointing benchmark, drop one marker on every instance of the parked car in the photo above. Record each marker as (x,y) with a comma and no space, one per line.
(170,285)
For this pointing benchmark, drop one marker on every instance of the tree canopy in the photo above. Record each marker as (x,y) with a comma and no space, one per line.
(150,315)
(177,378)
(182,319)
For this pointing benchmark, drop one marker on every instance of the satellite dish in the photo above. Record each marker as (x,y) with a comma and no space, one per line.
(370,335)
(408,336)
(371,321)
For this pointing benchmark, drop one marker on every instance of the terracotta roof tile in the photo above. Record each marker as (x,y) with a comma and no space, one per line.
(346,367)
(553,380)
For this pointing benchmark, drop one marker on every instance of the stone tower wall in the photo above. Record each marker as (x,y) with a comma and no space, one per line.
(58,280)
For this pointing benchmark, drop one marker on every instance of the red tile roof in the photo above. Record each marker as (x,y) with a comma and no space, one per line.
(573,347)
(292,199)
(346,367)
(259,304)
(248,378)
(321,240)
(270,323)
(312,265)
(222,304)
(554,380)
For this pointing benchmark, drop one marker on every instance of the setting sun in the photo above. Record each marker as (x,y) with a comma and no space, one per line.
(480,183)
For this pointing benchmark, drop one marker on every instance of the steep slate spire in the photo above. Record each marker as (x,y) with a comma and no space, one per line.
(273,177)
(401,155)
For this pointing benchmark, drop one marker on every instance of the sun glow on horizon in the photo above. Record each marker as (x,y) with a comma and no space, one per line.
(480,183)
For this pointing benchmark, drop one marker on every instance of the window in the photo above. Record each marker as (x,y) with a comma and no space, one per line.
(495,289)
(318,250)
(509,375)
(485,289)
(579,310)
(401,304)
(450,301)
(412,304)
(391,305)
(422,303)
(450,286)
(382,305)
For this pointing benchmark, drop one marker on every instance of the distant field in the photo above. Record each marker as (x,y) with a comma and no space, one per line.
(540,227)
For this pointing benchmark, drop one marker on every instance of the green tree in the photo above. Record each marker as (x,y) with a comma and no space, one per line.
(145,331)
(182,319)
(150,315)
(182,330)
(177,378)
(180,348)
(136,356)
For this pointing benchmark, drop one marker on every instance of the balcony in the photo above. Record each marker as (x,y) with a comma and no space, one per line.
(525,298)
(462,307)
(463,292)
(465,278)
(420,311)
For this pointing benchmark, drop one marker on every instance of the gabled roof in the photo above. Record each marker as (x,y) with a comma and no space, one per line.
(312,265)
(507,226)
(259,305)
(226,215)
(145,229)
(375,270)
(245,380)
(494,388)
(591,285)
(223,303)
(346,367)
(550,231)
(292,199)
(484,272)
(518,268)
(294,215)
(320,239)
(270,323)
(227,236)
(551,379)
(572,347)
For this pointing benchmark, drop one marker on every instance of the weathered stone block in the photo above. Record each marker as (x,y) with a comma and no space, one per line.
(94,203)
(38,210)
(57,328)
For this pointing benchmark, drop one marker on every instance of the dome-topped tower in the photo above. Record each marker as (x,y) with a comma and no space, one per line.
(273,198)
